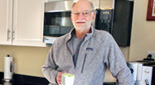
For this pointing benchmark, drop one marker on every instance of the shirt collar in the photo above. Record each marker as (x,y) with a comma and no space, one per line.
(87,36)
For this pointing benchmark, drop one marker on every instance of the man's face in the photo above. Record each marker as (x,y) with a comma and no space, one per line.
(82,15)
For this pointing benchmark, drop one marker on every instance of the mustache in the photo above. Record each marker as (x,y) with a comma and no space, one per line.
(80,21)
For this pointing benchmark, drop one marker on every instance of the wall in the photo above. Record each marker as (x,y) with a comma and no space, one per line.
(28,60)
(143,32)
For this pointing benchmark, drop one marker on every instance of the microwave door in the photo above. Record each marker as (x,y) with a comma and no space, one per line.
(54,31)
(65,30)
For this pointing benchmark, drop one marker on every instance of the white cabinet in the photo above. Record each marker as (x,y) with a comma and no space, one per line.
(22,22)
(5,21)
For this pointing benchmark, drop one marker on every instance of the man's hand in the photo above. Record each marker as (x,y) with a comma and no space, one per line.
(59,75)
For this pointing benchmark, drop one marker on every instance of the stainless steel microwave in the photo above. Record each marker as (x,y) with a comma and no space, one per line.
(57,21)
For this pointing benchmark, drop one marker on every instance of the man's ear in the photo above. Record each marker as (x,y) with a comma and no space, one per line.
(94,15)
(71,17)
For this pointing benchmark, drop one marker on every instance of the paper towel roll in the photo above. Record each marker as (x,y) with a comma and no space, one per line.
(8,67)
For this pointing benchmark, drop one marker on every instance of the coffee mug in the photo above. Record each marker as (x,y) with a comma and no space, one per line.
(67,79)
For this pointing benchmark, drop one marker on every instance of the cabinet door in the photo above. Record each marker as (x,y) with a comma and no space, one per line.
(28,22)
(5,21)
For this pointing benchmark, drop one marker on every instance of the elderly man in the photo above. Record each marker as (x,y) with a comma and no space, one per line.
(86,52)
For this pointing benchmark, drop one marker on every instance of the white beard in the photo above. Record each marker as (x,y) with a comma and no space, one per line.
(83,28)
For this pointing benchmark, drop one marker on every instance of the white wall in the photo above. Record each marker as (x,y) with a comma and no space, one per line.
(28,60)
(143,32)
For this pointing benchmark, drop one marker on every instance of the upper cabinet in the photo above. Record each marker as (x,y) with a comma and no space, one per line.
(5,21)
(21,22)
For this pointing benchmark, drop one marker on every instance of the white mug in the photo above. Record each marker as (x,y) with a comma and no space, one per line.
(67,79)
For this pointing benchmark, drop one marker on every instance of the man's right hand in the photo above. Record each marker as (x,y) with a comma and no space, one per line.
(59,75)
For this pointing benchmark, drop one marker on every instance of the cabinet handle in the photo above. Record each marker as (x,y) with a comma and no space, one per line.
(8,33)
(13,34)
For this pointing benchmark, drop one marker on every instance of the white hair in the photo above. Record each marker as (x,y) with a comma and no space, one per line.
(89,2)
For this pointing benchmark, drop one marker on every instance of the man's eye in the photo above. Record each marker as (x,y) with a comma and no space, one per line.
(76,13)
(85,13)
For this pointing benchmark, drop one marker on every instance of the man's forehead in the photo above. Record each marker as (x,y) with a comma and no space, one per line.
(86,10)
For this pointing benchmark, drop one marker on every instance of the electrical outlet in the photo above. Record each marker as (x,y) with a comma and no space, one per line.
(151,53)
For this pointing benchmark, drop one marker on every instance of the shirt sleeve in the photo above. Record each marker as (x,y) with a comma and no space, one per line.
(49,68)
(118,66)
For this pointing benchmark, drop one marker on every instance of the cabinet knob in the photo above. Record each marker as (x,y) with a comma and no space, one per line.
(13,34)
